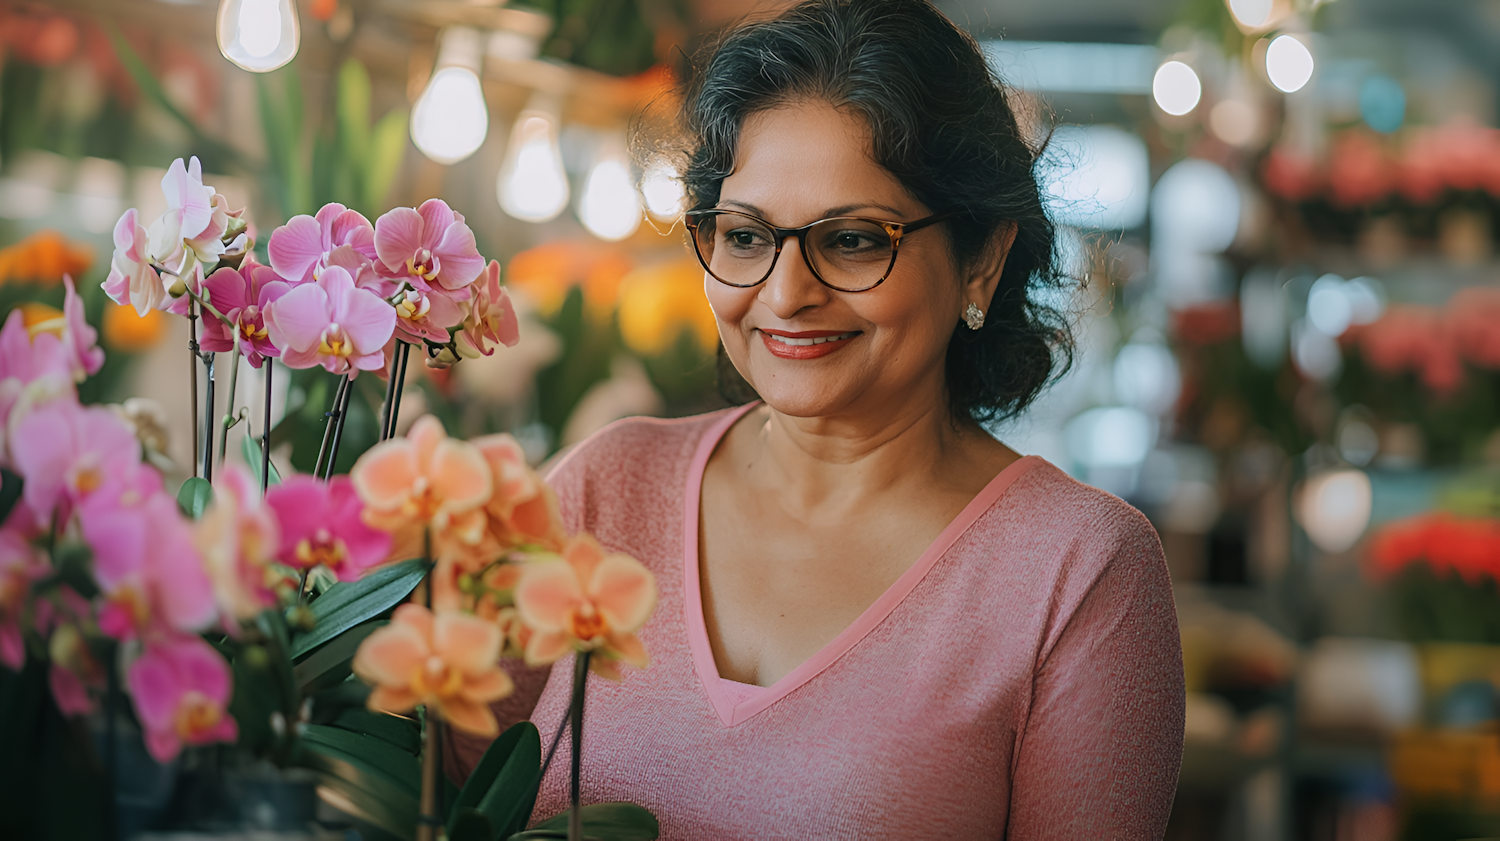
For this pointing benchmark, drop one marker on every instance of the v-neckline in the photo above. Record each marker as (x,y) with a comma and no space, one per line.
(733,711)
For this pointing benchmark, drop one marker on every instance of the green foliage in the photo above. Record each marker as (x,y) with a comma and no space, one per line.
(194,497)
(611,36)
(308,413)
(503,786)
(330,664)
(614,821)
(353,602)
(585,360)
(250,449)
(49,779)
(214,155)
(369,778)
(1428,607)
(10,492)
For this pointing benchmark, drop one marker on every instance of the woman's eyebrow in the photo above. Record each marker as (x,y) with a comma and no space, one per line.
(841,210)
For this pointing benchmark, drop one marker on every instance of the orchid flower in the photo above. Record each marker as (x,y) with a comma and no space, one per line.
(181,688)
(426,482)
(321,526)
(238,537)
(64,451)
(20,564)
(242,296)
(523,509)
(586,600)
(79,340)
(76,675)
(428,247)
(190,210)
(132,279)
(34,371)
(332,323)
(149,572)
(448,662)
(492,318)
(426,314)
(305,245)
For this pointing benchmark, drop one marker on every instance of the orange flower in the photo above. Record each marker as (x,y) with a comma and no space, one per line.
(448,662)
(427,482)
(126,331)
(523,510)
(586,600)
(45,256)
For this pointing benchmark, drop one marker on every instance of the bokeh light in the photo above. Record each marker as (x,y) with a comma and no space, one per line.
(1289,63)
(1382,103)
(1176,88)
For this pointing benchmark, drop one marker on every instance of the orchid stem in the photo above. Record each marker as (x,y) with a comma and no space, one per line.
(208,413)
(429,820)
(580,682)
(330,417)
(404,351)
(302,586)
(193,377)
(234,379)
(265,435)
(338,432)
(390,393)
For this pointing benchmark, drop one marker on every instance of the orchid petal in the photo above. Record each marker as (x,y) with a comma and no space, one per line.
(466,642)
(384,475)
(459,475)
(296,320)
(546,647)
(295,248)
(461,262)
(624,592)
(398,235)
(546,594)
(472,718)
(391,655)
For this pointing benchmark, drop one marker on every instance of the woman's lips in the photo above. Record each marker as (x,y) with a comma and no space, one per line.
(806,345)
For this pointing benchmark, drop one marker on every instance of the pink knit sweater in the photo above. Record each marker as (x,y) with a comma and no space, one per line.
(1023,679)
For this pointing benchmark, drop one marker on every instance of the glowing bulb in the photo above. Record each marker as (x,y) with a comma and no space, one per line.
(1334,509)
(258,35)
(662,190)
(1289,63)
(1252,14)
(610,207)
(1176,88)
(450,120)
(533,186)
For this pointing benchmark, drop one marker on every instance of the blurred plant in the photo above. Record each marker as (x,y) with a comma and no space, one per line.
(1440,572)
(43,258)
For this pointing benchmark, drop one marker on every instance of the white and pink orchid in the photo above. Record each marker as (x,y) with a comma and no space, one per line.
(132,278)
(190,211)
(331,322)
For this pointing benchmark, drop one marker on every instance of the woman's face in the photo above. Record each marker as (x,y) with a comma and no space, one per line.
(799,163)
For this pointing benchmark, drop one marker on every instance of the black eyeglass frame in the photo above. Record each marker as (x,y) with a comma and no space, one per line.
(896,231)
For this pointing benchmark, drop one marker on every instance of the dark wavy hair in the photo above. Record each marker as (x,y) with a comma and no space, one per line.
(942,125)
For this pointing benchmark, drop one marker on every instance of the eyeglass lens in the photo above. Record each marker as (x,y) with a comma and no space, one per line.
(847,254)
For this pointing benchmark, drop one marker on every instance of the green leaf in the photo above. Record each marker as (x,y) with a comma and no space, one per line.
(354,112)
(352,602)
(328,665)
(384,767)
(250,447)
(503,784)
(10,492)
(470,825)
(351,783)
(194,497)
(609,821)
(218,154)
(387,148)
(404,733)
(273,624)
(74,564)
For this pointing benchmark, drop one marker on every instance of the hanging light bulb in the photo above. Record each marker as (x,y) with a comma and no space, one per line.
(450,120)
(533,186)
(662,190)
(610,207)
(258,35)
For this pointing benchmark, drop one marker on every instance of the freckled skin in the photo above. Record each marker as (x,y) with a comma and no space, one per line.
(816,503)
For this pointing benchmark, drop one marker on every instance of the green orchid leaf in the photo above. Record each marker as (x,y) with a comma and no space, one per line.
(194,497)
(469,825)
(503,784)
(250,447)
(387,148)
(400,731)
(10,492)
(608,821)
(354,112)
(351,603)
(386,768)
(329,665)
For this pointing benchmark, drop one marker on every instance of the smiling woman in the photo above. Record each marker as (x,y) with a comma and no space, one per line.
(876,620)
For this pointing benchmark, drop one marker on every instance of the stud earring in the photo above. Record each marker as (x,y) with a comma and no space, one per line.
(974,316)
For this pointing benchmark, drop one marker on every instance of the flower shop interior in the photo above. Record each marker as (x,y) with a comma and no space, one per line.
(1282,215)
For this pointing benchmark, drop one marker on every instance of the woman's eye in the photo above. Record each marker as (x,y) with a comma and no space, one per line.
(744,238)
(852,241)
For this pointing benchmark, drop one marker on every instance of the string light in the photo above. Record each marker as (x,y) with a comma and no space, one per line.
(610,208)
(1176,88)
(1289,63)
(450,120)
(533,186)
(258,35)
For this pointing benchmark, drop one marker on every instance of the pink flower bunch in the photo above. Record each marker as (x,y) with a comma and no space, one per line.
(41,363)
(1435,343)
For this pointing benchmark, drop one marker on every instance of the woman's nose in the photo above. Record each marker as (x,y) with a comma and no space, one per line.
(792,286)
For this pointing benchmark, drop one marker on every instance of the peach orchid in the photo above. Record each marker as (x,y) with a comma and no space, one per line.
(586,600)
(523,510)
(448,662)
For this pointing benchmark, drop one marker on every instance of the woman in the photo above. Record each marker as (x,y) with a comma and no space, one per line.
(875,619)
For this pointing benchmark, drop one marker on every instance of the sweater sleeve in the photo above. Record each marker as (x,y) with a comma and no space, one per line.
(1100,751)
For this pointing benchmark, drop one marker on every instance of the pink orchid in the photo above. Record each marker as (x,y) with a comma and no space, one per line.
(79,340)
(492,318)
(332,323)
(208,246)
(427,314)
(20,564)
(321,525)
(190,210)
(428,246)
(305,245)
(76,676)
(181,688)
(64,451)
(239,537)
(586,600)
(132,279)
(149,572)
(33,372)
(242,295)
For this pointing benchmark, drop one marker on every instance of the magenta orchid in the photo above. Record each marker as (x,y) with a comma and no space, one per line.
(305,245)
(333,323)
(321,526)
(20,564)
(132,278)
(491,320)
(181,688)
(149,572)
(65,451)
(239,537)
(242,296)
(429,247)
(76,675)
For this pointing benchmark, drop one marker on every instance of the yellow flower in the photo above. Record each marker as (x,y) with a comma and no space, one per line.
(658,302)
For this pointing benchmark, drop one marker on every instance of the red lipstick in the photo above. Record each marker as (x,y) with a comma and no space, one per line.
(807,344)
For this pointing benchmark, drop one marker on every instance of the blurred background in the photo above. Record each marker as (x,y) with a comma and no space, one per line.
(1285,212)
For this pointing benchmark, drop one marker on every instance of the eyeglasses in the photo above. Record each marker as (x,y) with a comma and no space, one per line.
(847,253)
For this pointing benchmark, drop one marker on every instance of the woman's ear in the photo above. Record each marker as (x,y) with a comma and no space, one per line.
(984,272)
